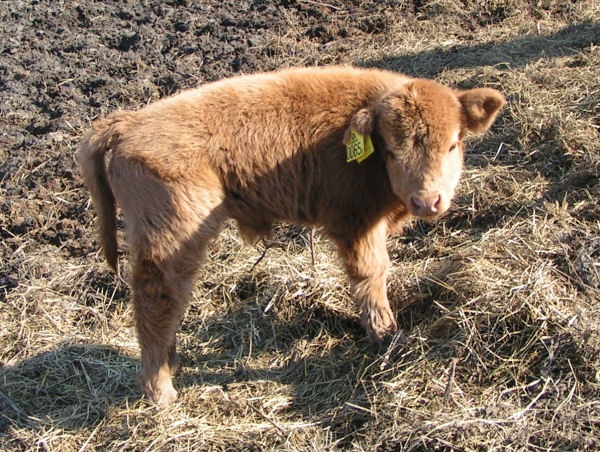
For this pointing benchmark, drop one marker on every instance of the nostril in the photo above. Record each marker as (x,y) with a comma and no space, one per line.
(436,202)
(417,203)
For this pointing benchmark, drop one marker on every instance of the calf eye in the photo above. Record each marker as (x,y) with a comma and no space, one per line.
(389,154)
(453,148)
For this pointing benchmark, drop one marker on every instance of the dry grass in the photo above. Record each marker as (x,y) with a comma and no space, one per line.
(501,326)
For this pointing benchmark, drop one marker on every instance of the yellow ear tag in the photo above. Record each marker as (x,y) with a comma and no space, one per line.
(368,149)
(358,147)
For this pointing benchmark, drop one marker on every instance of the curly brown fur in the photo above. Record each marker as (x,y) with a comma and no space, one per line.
(266,148)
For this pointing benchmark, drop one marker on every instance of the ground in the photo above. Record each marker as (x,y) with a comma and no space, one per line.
(501,340)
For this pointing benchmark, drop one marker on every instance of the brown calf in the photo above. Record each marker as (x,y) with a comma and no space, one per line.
(271,147)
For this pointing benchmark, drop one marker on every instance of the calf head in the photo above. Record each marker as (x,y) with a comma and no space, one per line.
(421,126)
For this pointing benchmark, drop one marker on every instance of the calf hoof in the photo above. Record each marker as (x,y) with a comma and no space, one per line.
(161,391)
(174,365)
(380,324)
(165,396)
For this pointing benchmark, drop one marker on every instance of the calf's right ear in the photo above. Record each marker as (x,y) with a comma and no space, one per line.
(363,122)
(480,105)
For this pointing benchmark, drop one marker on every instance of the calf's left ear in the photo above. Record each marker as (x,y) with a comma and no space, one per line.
(363,122)
(480,105)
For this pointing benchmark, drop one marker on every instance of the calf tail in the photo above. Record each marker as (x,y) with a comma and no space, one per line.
(105,134)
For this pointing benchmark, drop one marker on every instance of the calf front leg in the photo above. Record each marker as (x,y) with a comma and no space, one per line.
(367,263)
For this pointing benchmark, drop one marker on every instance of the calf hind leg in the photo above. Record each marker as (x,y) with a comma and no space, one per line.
(160,296)
(161,289)
(169,225)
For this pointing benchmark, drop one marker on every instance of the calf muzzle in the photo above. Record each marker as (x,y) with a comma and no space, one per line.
(426,205)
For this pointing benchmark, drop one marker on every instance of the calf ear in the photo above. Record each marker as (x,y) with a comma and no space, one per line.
(363,122)
(480,105)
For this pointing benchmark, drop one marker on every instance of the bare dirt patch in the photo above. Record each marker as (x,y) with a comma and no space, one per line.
(501,338)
